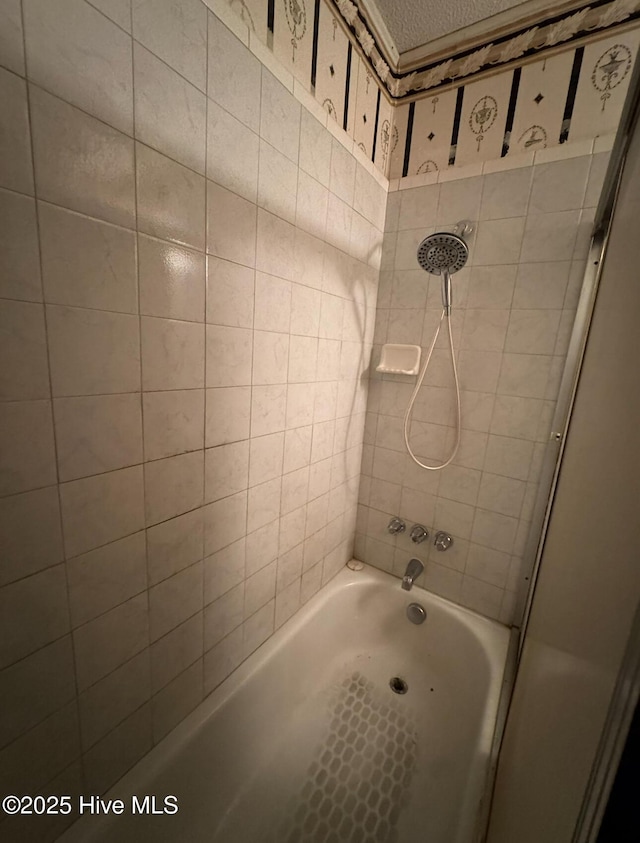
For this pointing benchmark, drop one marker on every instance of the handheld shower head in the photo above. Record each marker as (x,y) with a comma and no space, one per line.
(443,254)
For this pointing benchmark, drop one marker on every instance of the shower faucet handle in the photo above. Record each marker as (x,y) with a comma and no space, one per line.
(443,541)
(395,526)
(419,533)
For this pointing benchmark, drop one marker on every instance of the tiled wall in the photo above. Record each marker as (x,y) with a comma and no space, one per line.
(188,270)
(514,306)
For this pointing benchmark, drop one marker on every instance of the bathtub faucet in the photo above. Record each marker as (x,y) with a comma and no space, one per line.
(414,569)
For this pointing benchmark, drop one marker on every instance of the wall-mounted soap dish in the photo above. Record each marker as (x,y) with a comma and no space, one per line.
(399,359)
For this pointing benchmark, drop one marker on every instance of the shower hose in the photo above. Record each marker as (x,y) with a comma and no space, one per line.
(445,315)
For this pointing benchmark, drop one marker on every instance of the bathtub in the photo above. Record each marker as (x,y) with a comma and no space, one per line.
(307,741)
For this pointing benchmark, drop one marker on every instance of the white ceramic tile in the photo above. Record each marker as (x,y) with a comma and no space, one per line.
(272,303)
(228,415)
(229,356)
(222,659)
(11,37)
(173,422)
(303,352)
(230,293)
(170,113)
(266,458)
(541,285)
(315,148)
(501,494)
(120,747)
(270,358)
(516,416)
(311,207)
(232,153)
(172,280)
(484,330)
(262,546)
(23,599)
(92,352)
(234,75)
(16,170)
(499,241)
(172,486)
(176,700)
(481,597)
(224,570)
(25,550)
(506,194)
(76,53)
(508,457)
(177,33)
(532,331)
(101,274)
(550,236)
(175,651)
(119,11)
(172,354)
(223,616)
(62,136)
(263,504)
(493,530)
(24,371)
(36,686)
(559,186)
(225,522)
(174,600)
(28,460)
(258,628)
(98,510)
(268,409)
(226,470)
(174,545)
(106,577)
(524,375)
(105,643)
(171,199)
(19,259)
(231,226)
(279,117)
(97,434)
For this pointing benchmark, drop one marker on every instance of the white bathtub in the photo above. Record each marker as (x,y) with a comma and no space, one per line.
(306,741)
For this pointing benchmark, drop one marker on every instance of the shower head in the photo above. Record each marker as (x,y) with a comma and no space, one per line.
(442,253)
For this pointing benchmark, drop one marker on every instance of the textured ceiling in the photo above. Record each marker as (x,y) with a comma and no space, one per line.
(412,23)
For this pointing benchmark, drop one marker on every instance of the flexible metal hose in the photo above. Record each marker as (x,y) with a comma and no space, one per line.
(446,312)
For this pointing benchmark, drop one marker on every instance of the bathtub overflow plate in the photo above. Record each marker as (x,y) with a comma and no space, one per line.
(416,613)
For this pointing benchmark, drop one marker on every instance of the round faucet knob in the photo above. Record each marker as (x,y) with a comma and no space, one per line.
(396,525)
(443,540)
(419,533)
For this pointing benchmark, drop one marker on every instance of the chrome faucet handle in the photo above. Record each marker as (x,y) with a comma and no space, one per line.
(418,533)
(395,526)
(443,541)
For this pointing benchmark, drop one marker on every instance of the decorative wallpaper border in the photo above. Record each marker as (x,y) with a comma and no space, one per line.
(567,86)
(531,41)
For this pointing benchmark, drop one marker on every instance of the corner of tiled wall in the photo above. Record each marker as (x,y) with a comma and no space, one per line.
(189,263)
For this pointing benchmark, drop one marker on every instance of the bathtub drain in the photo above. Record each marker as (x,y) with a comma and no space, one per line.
(398,686)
